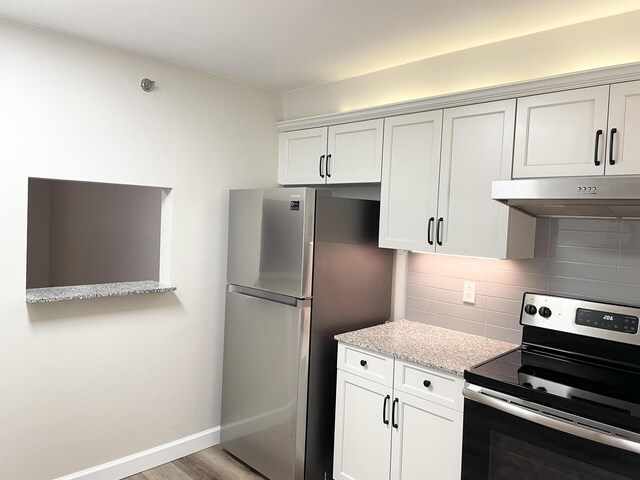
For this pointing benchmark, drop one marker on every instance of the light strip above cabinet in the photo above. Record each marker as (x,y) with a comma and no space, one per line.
(587,78)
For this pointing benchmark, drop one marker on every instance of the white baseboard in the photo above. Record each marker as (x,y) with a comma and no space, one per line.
(123,467)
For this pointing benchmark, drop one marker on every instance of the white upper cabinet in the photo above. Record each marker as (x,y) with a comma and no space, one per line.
(623,152)
(349,153)
(477,142)
(561,134)
(302,156)
(436,184)
(354,154)
(409,192)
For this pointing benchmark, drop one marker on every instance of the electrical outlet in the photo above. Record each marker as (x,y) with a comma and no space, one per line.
(469,292)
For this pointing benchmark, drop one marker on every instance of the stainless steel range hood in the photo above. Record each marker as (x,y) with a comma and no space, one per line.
(610,197)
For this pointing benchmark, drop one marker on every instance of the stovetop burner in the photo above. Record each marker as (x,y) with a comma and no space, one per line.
(577,356)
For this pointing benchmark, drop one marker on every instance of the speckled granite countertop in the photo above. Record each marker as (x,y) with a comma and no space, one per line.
(427,345)
(82,292)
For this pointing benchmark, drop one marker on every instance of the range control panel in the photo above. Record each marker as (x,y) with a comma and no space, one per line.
(620,323)
(607,320)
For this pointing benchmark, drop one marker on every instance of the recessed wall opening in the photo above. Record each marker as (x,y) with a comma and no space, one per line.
(90,234)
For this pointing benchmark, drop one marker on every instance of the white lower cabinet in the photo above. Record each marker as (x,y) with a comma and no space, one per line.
(427,444)
(383,432)
(362,449)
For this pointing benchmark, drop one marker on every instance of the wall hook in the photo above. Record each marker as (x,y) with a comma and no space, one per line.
(147,85)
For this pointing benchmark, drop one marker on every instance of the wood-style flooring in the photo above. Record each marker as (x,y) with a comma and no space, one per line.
(209,464)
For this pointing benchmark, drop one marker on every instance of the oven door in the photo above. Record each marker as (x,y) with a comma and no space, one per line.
(504,440)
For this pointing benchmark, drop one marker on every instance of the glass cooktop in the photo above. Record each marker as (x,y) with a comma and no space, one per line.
(599,391)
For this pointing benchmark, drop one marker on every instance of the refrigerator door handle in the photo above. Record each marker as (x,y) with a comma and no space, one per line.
(273,297)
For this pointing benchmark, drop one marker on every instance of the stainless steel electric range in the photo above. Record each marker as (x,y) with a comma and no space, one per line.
(565,405)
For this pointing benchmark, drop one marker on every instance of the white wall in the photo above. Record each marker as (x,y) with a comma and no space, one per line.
(86,382)
(599,43)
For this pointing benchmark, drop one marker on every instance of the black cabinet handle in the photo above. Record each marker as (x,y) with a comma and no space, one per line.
(328,165)
(393,413)
(427,383)
(320,167)
(439,232)
(429,227)
(611,160)
(595,155)
(385,420)
(363,363)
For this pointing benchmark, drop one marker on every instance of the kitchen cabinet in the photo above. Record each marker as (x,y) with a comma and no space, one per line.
(302,155)
(427,443)
(410,174)
(477,146)
(579,132)
(395,419)
(445,162)
(623,152)
(348,153)
(363,438)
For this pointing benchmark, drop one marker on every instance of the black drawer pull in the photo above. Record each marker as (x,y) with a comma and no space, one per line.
(385,419)
(427,383)
(611,160)
(429,228)
(439,232)
(595,155)
(363,363)
(393,413)
(321,165)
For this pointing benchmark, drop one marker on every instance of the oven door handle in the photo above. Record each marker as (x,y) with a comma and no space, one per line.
(500,402)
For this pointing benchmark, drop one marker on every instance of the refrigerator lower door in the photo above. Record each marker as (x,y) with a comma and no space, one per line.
(264,384)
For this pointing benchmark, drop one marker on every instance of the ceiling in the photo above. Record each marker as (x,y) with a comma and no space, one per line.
(290,44)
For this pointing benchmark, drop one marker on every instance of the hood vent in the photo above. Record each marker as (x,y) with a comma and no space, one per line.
(602,197)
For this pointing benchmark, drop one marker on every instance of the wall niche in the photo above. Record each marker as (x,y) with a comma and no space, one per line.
(88,239)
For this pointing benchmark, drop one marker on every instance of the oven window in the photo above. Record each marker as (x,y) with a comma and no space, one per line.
(511,458)
(500,446)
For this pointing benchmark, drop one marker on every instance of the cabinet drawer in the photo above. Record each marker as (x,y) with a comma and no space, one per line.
(439,388)
(366,364)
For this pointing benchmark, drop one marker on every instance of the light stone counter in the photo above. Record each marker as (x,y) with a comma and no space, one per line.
(101,290)
(433,347)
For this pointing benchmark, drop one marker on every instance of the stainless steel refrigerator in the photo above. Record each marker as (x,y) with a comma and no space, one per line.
(303,266)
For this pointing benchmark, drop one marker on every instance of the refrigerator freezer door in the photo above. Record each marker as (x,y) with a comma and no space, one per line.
(271,240)
(264,384)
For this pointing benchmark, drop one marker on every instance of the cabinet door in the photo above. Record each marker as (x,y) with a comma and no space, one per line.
(410,170)
(355,152)
(427,445)
(301,156)
(476,150)
(362,445)
(624,117)
(557,134)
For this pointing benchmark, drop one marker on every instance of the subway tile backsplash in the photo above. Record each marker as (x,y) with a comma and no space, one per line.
(594,258)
